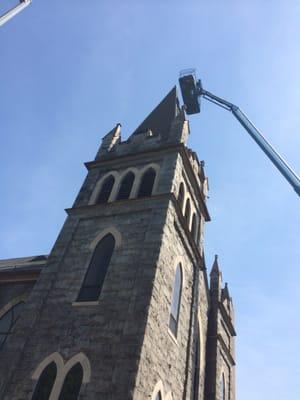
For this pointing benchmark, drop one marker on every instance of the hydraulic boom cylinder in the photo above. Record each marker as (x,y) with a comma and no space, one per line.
(192,91)
(268,149)
(256,135)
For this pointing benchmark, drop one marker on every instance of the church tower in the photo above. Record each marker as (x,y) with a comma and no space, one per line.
(122,308)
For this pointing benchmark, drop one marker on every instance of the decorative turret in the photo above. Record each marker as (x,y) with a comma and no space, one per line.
(220,374)
(110,140)
(215,280)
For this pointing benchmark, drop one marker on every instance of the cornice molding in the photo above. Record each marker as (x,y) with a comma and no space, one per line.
(19,276)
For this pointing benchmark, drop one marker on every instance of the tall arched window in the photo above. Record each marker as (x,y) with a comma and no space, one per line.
(94,278)
(194,226)
(196,369)
(8,320)
(222,388)
(72,383)
(181,196)
(175,305)
(147,182)
(158,396)
(45,383)
(106,189)
(187,213)
(198,238)
(126,186)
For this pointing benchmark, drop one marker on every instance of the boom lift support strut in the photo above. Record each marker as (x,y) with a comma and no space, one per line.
(192,91)
(14,11)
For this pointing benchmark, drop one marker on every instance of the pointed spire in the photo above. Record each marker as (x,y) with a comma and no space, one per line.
(226,291)
(215,268)
(160,119)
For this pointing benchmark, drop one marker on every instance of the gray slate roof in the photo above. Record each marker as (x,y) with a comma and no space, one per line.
(21,263)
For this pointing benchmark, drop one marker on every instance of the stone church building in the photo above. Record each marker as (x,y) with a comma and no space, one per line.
(123,308)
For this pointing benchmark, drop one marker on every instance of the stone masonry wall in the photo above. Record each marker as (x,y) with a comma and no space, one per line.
(111,333)
(166,358)
(14,290)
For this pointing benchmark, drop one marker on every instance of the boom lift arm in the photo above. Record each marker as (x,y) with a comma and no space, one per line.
(192,91)
(14,11)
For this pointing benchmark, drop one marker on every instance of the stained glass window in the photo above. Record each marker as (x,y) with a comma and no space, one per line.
(187,213)
(222,388)
(194,226)
(158,396)
(196,369)
(181,196)
(94,278)
(198,238)
(45,383)
(8,320)
(72,383)
(175,305)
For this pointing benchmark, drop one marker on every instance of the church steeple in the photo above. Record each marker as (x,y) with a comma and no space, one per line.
(125,293)
(165,125)
(220,363)
(159,121)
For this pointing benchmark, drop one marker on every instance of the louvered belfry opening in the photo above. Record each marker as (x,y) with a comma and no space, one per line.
(147,182)
(126,186)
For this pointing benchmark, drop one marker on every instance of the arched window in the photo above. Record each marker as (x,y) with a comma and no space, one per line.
(194,226)
(222,388)
(45,383)
(158,396)
(126,186)
(94,278)
(196,369)
(147,183)
(187,213)
(199,230)
(8,320)
(198,238)
(175,305)
(72,383)
(181,196)
(106,189)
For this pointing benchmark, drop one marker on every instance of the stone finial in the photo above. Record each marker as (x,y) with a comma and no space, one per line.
(215,268)
(110,140)
(226,291)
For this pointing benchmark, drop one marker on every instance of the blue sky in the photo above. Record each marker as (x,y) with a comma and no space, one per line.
(70,70)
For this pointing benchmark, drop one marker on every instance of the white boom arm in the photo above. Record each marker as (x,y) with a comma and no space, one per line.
(266,147)
(14,11)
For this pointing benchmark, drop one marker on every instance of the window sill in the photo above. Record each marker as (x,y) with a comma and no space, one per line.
(85,303)
(171,334)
